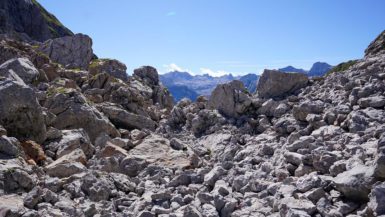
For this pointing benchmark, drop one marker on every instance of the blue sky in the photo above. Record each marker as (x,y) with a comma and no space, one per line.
(224,36)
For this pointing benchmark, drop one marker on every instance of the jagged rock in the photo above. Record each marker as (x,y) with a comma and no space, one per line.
(377,200)
(15,179)
(10,146)
(377,46)
(33,197)
(157,150)
(113,150)
(374,101)
(22,67)
(16,16)
(74,139)
(293,205)
(163,97)
(20,112)
(148,74)
(64,169)
(70,51)
(379,167)
(301,111)
(72,112)
(274,83)
(109,66)
(132,165)
(123,119)
(230,99)
(356,183)
(204,120)
(211,177)
(11,205)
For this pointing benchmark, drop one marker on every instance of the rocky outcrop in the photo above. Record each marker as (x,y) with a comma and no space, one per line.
(376,47)
(16,21)
(121,118)
(72,112)
(111,67)
(70,51)
(148,74)
(274,83)
(230,99)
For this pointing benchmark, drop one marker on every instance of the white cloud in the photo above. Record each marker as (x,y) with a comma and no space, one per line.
(213,73)
(172,67)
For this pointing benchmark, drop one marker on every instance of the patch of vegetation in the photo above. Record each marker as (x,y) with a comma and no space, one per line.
(341,67)
(52,91)
(94,63)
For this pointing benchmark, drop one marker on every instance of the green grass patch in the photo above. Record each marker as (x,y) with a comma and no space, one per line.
(341,67)
(53,91)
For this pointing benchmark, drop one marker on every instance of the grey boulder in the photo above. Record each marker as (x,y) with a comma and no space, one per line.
(20,112)
(124,119)
(22,67)
(274,83)
(230,99)
(70,51)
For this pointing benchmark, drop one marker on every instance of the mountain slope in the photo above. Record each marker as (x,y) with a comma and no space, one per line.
(20,18)
(179,92)
(292,69)
(319,69)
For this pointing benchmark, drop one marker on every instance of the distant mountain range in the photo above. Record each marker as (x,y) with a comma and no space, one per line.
(318,69)
(183,84)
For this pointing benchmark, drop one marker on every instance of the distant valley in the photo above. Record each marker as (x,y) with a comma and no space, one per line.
(184,85)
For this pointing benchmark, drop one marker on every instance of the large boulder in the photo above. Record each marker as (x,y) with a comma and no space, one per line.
(157,150)
(15,16)
(275,83)
(230,99)
(148,74)
(20,112)
(355,184)
(377,200)
(124,119)
(73,112)
(109,66)
(70,51)
(22,67)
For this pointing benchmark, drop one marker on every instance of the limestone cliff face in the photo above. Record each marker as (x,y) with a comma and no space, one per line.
(28,19)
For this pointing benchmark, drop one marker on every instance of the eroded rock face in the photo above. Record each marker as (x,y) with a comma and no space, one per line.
(274,83)
(16,19)
(20,113)
(70,51)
